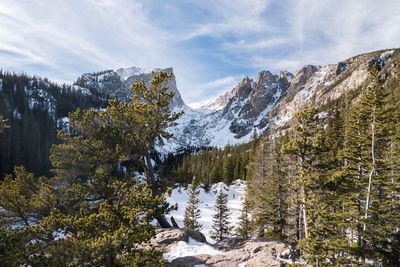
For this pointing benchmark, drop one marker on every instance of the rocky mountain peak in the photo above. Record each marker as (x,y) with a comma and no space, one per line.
(284,75)
(302,75)
(117,84)
(265,76)
(243,89)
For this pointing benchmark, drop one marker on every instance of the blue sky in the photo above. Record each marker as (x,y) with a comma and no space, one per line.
(210,44)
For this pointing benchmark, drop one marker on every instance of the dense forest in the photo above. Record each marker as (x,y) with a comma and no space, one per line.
(34,109)
(208,165)
(331,183)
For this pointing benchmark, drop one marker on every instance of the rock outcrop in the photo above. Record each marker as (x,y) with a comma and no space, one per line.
(233,252)
(254,253)
(164,238)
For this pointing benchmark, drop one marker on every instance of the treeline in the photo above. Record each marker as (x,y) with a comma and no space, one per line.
(209,165)
(32,107)
(331,184)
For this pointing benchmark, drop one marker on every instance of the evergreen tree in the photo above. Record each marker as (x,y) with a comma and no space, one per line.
(368,156)
(244,228)
(221,228)
(271,191)
(228,168)
(122,135)
(307,145)
(192,211)
(103,213)
(107,236)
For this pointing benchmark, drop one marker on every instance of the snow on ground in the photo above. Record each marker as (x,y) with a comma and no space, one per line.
(235,193)
(193,247)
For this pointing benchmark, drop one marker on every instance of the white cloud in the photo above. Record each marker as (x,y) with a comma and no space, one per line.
(231,17)
(211,89)
(219,83)
(63,38)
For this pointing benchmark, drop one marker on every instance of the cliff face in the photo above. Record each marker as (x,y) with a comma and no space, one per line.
(117,84)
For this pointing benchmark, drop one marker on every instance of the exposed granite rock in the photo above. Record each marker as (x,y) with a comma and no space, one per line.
(256,253)
(234,251)
(164,238)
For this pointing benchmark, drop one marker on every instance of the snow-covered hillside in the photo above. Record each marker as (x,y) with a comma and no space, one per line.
(235,193)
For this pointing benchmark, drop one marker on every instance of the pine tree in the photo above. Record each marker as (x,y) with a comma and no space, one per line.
(122,135)
(244,228)
(192,211)
(270,191)
(228,168)
(101,210)
(221,228)
(368,156)
(307,145)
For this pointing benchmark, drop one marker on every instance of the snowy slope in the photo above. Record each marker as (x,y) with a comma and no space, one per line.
(235,202)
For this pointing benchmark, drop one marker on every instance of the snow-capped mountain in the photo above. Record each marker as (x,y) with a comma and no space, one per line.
(117,84)
(36,107)
(233,118)
(254,105)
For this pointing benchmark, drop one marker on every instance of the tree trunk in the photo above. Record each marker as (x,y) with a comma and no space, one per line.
(162,221)
(150,178)
(372,169)
(149,171)
(304,211)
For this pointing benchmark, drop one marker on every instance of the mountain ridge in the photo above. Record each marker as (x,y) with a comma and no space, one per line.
(265,104)
(267,101)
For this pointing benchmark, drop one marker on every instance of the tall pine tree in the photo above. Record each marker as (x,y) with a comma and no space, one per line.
(192,211)
(221,228)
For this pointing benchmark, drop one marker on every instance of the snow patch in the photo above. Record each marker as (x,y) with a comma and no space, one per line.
(193,247)
(235,192)
(17,115)
(386,55)
(125,73)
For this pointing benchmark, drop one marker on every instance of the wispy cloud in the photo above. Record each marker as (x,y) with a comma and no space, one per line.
(211,89)
(211,44)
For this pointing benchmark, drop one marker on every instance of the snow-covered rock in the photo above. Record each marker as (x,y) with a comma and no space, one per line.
(184,247)
(190,248)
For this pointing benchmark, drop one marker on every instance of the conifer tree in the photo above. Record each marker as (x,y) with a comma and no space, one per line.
(221,228)
(307,145)
(228,169)
(192,211)
(367,153)
(101,211)
(122,135)
(244,228)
